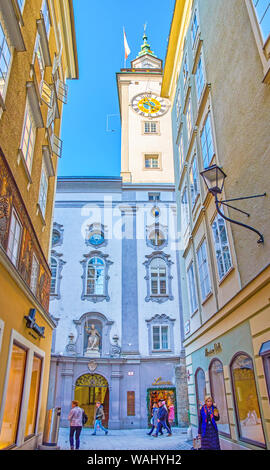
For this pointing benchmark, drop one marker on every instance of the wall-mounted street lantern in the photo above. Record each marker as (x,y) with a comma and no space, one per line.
(214,178)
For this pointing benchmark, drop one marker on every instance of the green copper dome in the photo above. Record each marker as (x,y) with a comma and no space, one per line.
(145,48)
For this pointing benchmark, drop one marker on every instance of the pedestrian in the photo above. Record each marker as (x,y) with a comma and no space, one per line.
(162,417)
(170,414)
(167,418)
(75,417)
(208,431)
(99,416)
(154,419)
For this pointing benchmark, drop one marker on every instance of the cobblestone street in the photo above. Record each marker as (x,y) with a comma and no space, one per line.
(128,439)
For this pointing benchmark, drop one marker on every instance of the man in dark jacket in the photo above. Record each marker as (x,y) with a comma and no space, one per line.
(162,418)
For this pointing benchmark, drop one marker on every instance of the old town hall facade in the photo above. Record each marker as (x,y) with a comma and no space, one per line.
(116,264)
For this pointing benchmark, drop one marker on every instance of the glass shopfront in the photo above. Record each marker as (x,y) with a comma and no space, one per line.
(33,397)
(219,394)
(13,397)
(167,394)
(200,388)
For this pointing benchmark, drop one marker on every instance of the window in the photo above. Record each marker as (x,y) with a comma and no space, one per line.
(207,142)
(95,277)
(150,127)
(222,248)
(264,353)
(43,191)
(154,196)
(246,400)
(34,274)
(203,271)
(33,397)
(28,137)
(181,151)
(46,15)
(199,76)
(200,384)
(189,119)
(192,288)
(5,58)
(39,62)
(151,161)
(178,104)
(21,4)
(12,409)
(194,181)
(54,271)
(158,277)
(14,239)
(185,70)
(218,393)
(194,28)
(184,210)
(160,337)
(262,8)
(157,238)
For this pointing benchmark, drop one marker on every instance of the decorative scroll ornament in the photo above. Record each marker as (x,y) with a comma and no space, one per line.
(90,380)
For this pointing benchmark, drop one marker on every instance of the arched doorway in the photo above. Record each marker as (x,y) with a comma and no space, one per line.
(89,389)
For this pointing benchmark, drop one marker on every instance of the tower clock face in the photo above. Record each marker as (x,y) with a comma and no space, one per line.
(149,105)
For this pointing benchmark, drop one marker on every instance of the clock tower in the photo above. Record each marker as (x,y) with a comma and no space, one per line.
(146,140)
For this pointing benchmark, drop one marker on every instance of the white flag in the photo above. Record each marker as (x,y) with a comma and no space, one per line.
(127,49)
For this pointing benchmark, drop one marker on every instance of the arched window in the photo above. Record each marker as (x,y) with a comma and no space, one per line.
(218,393)
(200,388)
(54,269)
(95,277)
(158,277)
(246,400)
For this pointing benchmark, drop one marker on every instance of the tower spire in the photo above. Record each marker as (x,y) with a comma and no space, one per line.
(145,47)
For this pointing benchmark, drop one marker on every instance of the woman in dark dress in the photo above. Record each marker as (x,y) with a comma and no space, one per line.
(208,430)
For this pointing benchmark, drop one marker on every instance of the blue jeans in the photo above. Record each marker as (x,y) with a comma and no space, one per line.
(77,430)
(159,427)
(99,423)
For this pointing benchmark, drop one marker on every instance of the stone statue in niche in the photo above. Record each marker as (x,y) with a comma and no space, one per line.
(93,341)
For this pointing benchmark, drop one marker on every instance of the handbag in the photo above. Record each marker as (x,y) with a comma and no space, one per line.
(197,443)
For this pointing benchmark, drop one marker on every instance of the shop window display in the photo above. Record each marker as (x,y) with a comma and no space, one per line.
(200,388)
(218,393)
(246,400)
(33,397)
(167,394)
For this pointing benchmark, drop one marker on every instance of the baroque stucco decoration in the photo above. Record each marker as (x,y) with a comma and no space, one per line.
(60,264)
(58,229)
(102,323)
(96,227)
(149,229)
(96,297)
(163,320)
(159,298)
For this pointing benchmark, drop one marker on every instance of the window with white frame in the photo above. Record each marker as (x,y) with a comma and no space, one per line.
(184,209)
(192,288)
(43,190)
(181,151)
(54,271)
(194,27)
(14,238)
(5,60)
(151,161)
(38,56)
(154,196)
(158,275)
(28,137)
(203,270)
(178,104)
(160,338)
(222,247)
(95,281)
(150,127)
(185,70)
(34,274)
(194,181)
(207,142)
(46,16)
(189,119)
(262,9)
(199,78)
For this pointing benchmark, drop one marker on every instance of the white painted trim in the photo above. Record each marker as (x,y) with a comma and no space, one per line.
(31,350)
(2,326)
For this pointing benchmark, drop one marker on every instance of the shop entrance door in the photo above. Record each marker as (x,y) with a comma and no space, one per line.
(89,389)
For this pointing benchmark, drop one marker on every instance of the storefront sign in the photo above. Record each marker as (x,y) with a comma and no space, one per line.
(215,350)
(31,323)
(160,382)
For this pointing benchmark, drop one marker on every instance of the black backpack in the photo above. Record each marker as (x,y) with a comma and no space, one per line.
(84,418)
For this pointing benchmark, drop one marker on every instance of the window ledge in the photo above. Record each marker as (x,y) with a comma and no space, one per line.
(226,275)
(27,172)
(2,103)
(207,298)
(194,313)
(154,351)
(39,212)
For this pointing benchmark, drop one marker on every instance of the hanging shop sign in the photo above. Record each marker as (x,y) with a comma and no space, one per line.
(31,323)
(160,382)
(216,349)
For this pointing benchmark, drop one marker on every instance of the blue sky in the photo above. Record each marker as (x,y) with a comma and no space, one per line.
(88,149)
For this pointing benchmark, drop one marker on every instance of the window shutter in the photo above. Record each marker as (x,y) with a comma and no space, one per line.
(57,146)
(47,94)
